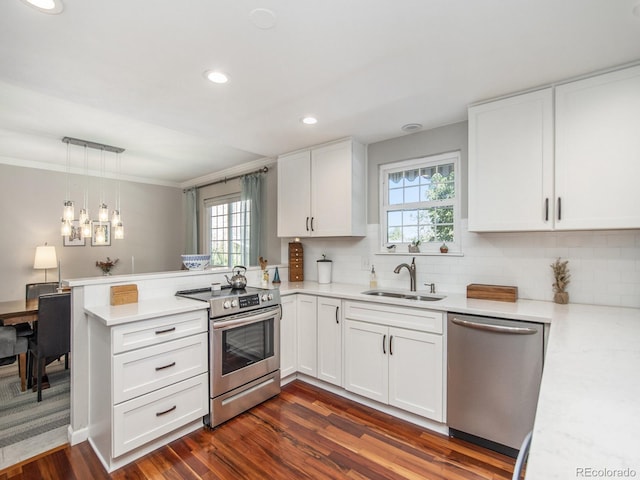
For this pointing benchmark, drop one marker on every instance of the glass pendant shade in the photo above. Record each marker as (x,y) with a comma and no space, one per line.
(103,213)
(84,216)
(86,228)
(101,235)
(68,212)
(115,218)
(118,233)
(65,228)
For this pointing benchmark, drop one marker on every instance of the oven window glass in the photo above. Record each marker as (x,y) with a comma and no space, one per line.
(247,344)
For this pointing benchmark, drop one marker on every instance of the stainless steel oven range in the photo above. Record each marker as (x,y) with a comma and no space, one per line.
(244,348)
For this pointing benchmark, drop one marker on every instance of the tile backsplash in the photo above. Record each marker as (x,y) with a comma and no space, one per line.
(604,265)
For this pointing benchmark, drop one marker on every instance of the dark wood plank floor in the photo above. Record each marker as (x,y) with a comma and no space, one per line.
(304,433)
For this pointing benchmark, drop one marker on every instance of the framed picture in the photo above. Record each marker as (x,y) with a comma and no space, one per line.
(75,238)
(101,234)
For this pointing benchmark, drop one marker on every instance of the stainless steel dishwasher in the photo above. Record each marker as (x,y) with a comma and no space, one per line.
(493,379)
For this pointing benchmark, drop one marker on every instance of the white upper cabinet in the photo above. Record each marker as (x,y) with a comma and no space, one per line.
(511,163)
(598,152)
(322,191)
(518,183)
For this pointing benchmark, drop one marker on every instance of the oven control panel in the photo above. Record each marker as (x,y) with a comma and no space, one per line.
(249,301)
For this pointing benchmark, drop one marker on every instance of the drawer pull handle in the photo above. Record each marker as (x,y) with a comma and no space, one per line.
(159,414)
(172,364)
(167,330)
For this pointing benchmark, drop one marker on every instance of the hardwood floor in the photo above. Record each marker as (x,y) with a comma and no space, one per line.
(305,432)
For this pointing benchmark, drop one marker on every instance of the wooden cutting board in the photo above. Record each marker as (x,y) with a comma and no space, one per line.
(500,293)
(122,294)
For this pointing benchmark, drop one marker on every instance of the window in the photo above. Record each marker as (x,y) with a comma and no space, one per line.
(228,230)
(419,202)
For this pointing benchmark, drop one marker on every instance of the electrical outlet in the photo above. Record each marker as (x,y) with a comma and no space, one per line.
(365,265)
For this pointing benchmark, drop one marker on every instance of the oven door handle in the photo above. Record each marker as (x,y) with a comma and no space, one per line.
(247,318)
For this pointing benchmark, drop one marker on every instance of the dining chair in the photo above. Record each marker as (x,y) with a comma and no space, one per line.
(34,290)
(52,337)
(11,345)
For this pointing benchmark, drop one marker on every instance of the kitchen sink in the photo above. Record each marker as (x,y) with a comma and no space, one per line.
(404,296)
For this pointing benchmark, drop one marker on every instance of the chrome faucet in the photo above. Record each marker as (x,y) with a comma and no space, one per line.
(412,272)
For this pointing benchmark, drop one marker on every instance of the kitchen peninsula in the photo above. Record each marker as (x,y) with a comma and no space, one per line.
(586,408)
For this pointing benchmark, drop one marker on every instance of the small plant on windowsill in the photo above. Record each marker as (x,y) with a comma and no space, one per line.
(415,246)
(107,265)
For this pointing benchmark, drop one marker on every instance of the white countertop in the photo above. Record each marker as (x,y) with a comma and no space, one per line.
(132,312)
(588,414)
(529,310)
(588,411)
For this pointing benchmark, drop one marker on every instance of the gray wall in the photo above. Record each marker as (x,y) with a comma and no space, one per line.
(430,142)
(31,202)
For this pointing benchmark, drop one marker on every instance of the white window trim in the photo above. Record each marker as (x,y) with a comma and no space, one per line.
(214,202)
(386,169)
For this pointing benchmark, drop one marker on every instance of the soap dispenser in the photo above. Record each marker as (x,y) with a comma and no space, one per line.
(373,281)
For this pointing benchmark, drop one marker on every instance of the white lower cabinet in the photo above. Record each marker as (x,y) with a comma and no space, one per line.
(307,335)
(391,364)
(319,338)
(149,383)
(288,357)
(330,340)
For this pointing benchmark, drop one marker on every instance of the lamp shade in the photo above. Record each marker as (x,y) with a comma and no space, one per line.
(45,257)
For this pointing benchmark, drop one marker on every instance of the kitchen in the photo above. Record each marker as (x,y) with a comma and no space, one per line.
(604,263)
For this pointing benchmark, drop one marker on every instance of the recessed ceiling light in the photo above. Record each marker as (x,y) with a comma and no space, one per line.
(309,120)
(216,76)
(263,18)
(51,7)
(411,127)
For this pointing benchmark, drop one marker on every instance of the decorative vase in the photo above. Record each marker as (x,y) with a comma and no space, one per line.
(276,276)
(444,248)
(561,297)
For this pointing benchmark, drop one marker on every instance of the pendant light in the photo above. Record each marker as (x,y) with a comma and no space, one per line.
(116,219)
(103,210)
(68,213)
(84,219)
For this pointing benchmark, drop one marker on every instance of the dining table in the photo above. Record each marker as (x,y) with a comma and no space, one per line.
(13,312)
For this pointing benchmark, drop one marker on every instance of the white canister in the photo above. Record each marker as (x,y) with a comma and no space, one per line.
(324,270)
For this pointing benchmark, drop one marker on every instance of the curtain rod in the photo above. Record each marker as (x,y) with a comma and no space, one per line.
(226,179)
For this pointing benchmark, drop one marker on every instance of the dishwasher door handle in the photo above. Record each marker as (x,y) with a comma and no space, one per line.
(495,328)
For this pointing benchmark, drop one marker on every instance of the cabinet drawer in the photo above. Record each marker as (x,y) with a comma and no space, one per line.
(147,418)
(405,317)
(158,330)
(142,371)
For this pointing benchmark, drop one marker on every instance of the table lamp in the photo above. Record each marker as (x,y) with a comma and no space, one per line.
(45,258)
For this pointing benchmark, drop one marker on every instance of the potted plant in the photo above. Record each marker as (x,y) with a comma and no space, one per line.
(562,277)
(415,246)
(107,265)
(444,248)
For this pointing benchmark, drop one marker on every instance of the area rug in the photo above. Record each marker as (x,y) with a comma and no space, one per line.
(22,416)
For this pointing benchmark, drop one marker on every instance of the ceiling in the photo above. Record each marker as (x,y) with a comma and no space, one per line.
(131,73)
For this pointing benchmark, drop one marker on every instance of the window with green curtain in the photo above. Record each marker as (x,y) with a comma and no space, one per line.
(228,230)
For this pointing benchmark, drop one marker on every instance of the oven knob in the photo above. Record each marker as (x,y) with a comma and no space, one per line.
(226,304)
(271,296)
(234,303)
(264,297)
